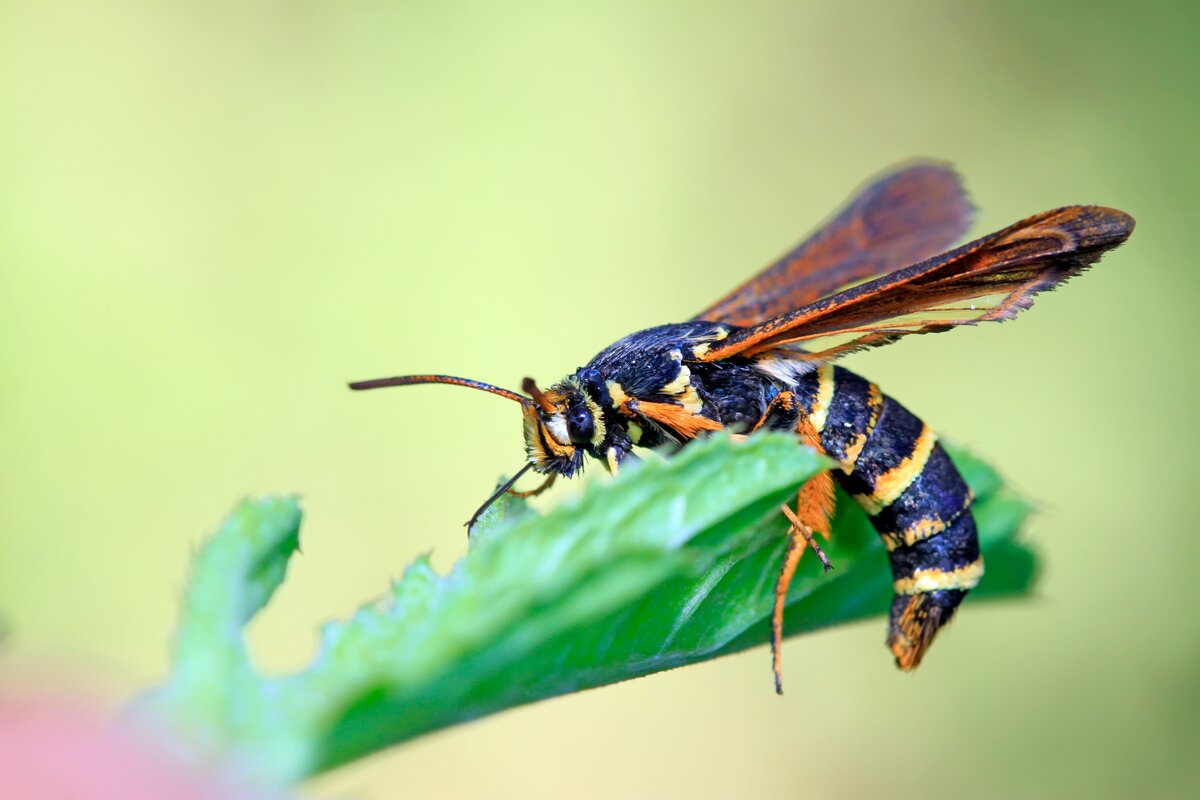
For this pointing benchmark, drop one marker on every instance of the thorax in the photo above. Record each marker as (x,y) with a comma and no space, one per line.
(663,365)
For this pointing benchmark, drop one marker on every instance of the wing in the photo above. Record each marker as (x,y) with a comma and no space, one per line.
(992,278)
(901,219)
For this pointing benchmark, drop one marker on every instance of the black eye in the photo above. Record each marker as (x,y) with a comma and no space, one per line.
(580,424)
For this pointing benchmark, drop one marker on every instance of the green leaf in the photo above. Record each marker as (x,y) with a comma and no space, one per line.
(213,684)
(671,564)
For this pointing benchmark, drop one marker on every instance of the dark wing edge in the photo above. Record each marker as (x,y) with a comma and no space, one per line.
(989,279)
(905,217)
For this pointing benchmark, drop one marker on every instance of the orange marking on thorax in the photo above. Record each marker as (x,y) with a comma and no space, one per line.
(687,424)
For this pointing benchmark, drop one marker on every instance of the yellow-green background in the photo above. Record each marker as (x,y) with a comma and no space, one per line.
(212,214)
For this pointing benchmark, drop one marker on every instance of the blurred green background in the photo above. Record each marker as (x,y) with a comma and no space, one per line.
(213,214)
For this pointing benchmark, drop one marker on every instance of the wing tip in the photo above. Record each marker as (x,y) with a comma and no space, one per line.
(1119,222)
(1096,226)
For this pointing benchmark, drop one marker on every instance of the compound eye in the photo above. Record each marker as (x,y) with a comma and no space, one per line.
(580,425)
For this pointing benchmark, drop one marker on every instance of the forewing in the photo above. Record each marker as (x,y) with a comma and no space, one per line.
(896,221)
(992,278)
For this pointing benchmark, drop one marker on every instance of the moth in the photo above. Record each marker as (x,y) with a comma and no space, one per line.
(764,357)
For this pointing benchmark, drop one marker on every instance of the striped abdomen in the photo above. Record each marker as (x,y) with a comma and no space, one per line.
(916,499)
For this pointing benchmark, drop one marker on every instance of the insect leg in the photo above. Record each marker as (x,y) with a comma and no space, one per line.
(800,538)
(780,414)
(814,505)
(546,484)
(613,460)
(496,495)
(805,533)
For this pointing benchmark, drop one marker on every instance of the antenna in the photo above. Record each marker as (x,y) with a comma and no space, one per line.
(412,380)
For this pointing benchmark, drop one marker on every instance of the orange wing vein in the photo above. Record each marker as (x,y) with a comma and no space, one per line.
(992,278)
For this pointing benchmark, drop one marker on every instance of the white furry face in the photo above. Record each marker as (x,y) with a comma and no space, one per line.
(557,426)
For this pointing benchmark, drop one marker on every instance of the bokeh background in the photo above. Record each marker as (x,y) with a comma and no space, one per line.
(213,214)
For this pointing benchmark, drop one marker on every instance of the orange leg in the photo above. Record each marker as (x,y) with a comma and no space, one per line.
(782,403)
(800,538)
(814,508)
(796,546)
(801,531)
(546,484)
(814,505)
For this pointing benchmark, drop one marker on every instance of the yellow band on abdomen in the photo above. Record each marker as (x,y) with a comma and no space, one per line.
(933,580)
(892,483)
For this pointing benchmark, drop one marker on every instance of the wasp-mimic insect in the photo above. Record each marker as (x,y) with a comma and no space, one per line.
(762,357)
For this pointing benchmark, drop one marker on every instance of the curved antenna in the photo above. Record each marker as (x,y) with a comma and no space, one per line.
(531,388)
(412,380)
